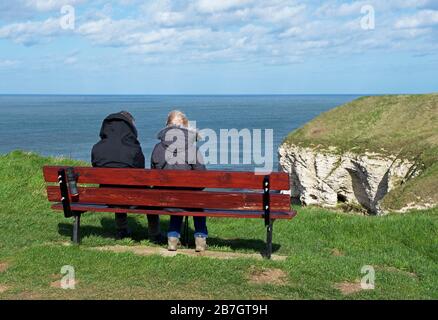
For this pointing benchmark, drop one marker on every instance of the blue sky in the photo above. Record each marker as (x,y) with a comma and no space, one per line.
(219,47)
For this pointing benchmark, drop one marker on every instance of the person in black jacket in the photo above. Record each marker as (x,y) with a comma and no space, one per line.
(177,151)
(120,148)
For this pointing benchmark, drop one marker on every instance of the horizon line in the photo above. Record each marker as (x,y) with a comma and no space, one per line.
(210,94)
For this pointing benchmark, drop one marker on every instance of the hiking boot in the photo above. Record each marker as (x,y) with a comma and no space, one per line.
(123,233)
(201,244)
(172,243)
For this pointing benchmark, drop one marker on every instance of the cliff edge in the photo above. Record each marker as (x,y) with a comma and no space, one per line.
(379,152)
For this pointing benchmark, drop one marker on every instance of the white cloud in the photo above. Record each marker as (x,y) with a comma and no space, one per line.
(334,9)
(71,60)
(269,31)
(48,5)
(169,18)
(160,12)
(6,64)
(209,6)
(109,32)
(424,18)
(291,32)
(29,33)
(278,13)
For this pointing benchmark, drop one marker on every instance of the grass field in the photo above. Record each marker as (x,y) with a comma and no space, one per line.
(325,252)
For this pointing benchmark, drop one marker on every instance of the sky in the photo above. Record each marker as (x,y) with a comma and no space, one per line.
(218,47)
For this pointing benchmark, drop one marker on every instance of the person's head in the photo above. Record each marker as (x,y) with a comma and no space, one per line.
(177,118)
(128,116)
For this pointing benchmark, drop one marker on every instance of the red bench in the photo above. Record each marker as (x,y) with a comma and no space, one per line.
(150,191)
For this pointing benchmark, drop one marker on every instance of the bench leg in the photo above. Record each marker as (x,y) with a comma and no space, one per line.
(269,239)
(76,237)
(186,231)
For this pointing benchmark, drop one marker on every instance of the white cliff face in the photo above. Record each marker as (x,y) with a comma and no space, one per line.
(325,178)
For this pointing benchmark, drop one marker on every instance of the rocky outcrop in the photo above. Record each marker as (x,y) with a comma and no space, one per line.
(326,178)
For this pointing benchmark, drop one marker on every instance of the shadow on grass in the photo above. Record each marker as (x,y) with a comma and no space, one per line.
(106,230)
(235,244)
(140,233)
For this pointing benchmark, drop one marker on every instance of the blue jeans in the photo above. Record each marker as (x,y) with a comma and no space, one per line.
(176,223)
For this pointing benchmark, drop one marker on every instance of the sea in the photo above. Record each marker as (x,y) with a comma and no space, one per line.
(69,125)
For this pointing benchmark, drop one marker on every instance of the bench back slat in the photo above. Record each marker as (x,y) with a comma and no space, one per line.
(172,178)
(175,198)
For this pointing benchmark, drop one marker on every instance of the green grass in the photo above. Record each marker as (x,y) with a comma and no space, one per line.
(402,248)
(402,125)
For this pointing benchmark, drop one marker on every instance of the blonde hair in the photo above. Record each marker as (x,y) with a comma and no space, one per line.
(177,118)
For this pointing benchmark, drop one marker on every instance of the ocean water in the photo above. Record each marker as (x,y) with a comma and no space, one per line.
(62,125)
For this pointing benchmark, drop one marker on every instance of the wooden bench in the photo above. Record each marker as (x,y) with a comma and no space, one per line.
(141,191)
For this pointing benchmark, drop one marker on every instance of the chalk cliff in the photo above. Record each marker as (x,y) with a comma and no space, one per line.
(326,178)
(379,153)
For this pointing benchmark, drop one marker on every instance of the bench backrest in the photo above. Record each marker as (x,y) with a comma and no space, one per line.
(139,187)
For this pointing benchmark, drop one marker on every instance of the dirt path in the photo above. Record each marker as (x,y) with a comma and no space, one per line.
(146,251)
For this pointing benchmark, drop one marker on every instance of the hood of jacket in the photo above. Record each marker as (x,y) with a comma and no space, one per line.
(119,146)
(117,126)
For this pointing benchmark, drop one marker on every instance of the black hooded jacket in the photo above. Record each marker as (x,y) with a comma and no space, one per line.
(119,146)
(180,143)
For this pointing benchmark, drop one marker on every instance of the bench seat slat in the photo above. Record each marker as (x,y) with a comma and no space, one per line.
(175,198)
(207,213)
(172,178)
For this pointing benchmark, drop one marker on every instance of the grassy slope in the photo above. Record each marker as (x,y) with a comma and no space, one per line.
(403,125)
(32,237)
